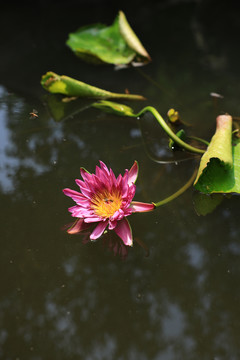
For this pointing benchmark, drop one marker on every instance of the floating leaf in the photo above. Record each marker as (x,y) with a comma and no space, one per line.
(116,44)
(219,170)
(114,108)
(205,203)
(61,84)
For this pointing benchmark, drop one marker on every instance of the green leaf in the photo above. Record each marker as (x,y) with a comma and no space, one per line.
(114,108)
(116,44)
(61,84)
(219,170)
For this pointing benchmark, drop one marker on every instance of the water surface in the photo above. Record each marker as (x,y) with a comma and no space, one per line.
(62,299)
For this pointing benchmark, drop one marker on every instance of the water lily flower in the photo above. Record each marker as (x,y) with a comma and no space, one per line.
(106,201)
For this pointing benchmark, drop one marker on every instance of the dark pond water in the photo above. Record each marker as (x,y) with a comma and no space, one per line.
(62,299)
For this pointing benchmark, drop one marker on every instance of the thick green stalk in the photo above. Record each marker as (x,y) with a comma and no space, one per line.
(169,132)
(177,193)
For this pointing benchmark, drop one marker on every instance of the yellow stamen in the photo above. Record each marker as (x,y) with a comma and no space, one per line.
(106,204)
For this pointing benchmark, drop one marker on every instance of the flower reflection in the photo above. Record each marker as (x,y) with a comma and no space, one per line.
(111,242)
(105,201)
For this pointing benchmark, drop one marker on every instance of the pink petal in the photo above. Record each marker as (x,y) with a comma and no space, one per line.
(98,171)
(124,231)
(97,184)
(85,174)
(87,193)
(118,215)
(128,211)
(81,184)
(141,207)
(104,167)
(99,229)
(84,212)
(93,218)
(113,179)
(77,197)
(133,173)
(103,175)
(119,180)
(78,226)
(76,211)
(112,224)
(124,185)
(131,192)
(72,193)
(84,187)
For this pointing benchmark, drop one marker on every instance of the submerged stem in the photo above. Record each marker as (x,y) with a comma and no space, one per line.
(170,133)
(199,139)
(177,193)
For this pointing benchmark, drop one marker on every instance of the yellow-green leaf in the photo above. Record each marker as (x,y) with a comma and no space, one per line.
(116,44)
(62,84)
(219,170)
(130,37)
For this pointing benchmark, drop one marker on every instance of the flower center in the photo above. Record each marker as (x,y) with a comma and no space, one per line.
(105,204)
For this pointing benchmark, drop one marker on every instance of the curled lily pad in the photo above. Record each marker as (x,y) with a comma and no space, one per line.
(116,44)
(65,85)
(219,170)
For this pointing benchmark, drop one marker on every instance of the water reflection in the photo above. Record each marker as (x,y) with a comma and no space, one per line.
(109,241)
(13,130)
(173,304)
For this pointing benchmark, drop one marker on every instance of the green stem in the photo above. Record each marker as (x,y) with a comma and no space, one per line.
(170,133)
(199,139)
(177,193)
